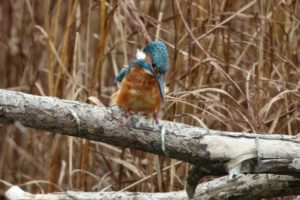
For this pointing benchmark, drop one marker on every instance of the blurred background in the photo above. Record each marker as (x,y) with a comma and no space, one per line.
(234,66)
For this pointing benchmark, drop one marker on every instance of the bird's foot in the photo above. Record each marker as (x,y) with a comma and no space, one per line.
(155,118)
(128,113)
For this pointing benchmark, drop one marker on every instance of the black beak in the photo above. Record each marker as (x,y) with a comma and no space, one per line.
(160,83)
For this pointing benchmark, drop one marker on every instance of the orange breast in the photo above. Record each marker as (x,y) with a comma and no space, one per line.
(138,92)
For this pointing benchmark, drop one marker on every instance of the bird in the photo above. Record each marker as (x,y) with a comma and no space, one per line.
(141,82)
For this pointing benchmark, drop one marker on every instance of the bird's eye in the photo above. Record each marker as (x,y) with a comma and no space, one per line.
(156,69)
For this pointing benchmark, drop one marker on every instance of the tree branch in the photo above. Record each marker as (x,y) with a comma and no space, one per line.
(216,151)
(212,152)
(248,186)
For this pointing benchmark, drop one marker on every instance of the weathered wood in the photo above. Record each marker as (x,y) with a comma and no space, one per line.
(249,187)
(216,151)
(243,187)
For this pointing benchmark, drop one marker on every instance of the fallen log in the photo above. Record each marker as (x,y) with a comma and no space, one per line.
(211,152)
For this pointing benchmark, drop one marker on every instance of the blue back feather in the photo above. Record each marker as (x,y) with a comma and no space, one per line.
(134,63)
(121,74)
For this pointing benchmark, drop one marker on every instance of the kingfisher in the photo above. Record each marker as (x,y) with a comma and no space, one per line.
(141,83)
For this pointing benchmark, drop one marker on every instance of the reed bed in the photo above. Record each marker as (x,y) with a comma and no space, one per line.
(234,66)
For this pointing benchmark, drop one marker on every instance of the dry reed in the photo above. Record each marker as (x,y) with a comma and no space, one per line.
(234,65)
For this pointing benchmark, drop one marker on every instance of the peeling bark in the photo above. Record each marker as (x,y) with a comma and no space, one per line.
(243,187)
(215,151)
(212,152)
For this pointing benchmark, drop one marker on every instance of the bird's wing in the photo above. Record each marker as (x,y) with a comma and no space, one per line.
(140,55)
(122,74)
(134,63)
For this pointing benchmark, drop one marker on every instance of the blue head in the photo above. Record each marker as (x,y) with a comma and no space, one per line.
(158,53)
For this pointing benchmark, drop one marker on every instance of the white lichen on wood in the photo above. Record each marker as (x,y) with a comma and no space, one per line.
(217,152)
(248,187)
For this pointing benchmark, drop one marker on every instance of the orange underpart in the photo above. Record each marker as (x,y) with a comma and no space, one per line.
(138,92)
